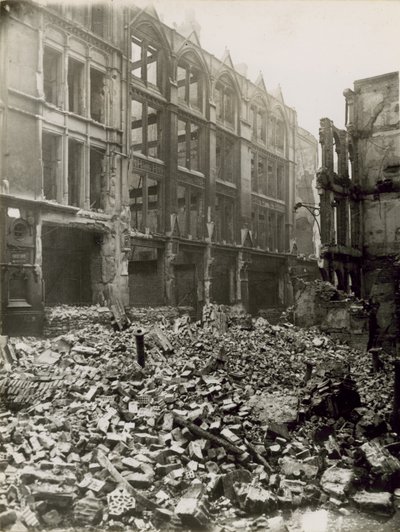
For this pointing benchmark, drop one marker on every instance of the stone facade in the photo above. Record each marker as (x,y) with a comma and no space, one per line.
(359,185)
(135,165)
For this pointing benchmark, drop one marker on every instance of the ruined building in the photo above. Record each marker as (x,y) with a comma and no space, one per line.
(359,187)
(135,165)
(306,226)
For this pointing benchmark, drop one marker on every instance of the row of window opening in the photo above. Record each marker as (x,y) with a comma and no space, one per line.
(79,99)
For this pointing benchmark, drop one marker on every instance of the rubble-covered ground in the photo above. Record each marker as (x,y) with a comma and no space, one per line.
(219,430)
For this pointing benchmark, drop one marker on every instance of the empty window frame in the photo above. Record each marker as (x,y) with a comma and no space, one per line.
(75,86)
(253,172)
(97,95)
(281,232)
(259,173)
(145,61)
(146,129)
(262,174)
(75,165)
(189,85)
(189,145)
(97,175)
(98,19)
(258,121)
(224,217)
(52,61)
(280,135)
(272,188)
(271,132)
(51,157)
(225,157)
(225,103)
(145,203)
(190,211)
(281,180)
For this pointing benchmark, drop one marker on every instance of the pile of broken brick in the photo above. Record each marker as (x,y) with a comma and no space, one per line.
(89,437)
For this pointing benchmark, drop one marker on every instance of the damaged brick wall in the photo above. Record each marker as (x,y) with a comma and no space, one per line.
(320,304)
(374,133)
(359,186)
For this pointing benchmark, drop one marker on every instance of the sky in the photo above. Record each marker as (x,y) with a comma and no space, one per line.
(314,49)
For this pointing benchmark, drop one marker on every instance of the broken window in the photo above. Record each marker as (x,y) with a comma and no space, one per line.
(145,202)
(51,165)
(258,123)
(225,102)
(280,135)
(96,177)
(271,179)
(259,176)
(254,176)
(262,175)
(188,145)
(182,210)
(280,176)
(196,211)
(75,152)
(136,201)
(190,211)
(224,217)
(75,87)
(145,61)
(225,155)
(51,75)
(271,131)
(146,129)
(97,83)
(153,205)
(98,20)
(189,85)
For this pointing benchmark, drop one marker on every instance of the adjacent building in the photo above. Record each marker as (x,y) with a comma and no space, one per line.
(359,187)
(136,166)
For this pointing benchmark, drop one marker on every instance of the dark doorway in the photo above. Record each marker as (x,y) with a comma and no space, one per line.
(145,284)
(67,263)
(185,280)
(263,291)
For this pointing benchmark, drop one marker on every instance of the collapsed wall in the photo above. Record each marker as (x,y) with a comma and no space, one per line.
(320,304)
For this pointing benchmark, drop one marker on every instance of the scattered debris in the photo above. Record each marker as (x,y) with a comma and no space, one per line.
(219,423)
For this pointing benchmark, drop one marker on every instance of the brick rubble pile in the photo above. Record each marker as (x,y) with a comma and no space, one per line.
(88,437)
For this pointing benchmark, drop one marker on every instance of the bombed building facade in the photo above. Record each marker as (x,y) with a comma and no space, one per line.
(359,187)
(135,165)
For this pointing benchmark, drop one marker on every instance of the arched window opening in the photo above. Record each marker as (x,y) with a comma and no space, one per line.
(277,133)
(191,84)
(147,59)
(280,135)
